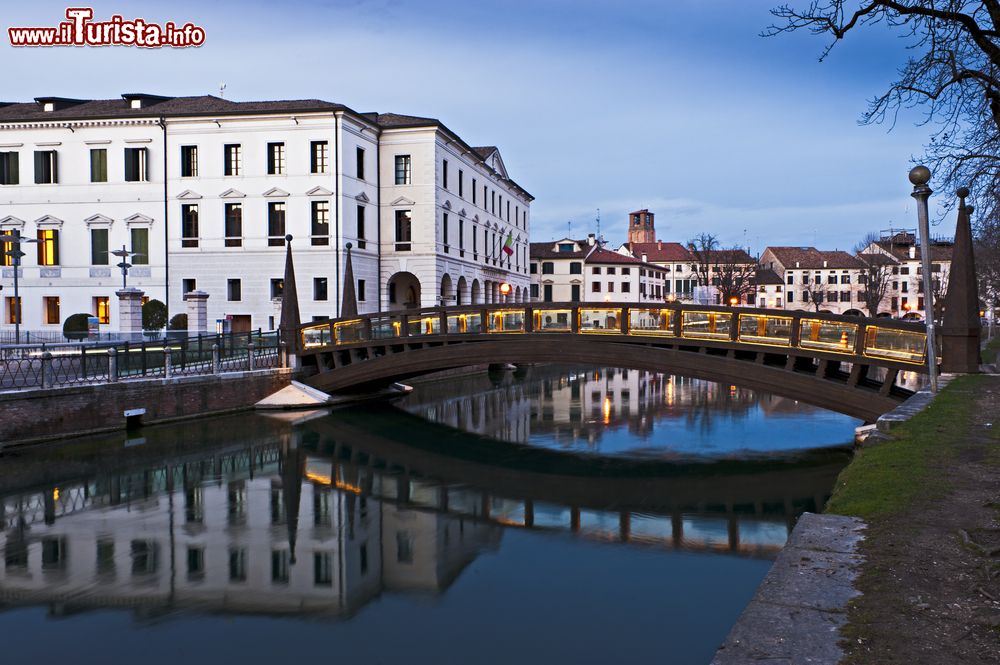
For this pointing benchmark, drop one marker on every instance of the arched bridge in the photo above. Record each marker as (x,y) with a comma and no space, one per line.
(843,363)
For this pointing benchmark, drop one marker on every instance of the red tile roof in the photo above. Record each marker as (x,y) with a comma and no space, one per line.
(660,252)
(810,258)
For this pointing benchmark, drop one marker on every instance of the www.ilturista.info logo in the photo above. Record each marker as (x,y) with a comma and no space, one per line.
(80,30)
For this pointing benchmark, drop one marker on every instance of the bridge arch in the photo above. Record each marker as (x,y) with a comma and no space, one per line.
(404,291)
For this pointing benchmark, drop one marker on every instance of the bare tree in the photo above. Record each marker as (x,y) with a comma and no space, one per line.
(876,277)
(952,75)
(703,247)
(816,297)
(735,274)
(987,247)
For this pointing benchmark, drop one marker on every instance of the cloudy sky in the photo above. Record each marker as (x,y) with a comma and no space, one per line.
(680,106)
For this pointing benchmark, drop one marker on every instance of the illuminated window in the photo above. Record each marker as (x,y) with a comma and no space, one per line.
(7,248)
(102,309)
(48,247)
(12,310)
(50,306)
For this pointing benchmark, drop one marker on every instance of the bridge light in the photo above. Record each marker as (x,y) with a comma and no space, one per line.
(734,301)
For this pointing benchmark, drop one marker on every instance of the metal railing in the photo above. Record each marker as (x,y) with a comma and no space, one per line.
(879,339)
(48,366)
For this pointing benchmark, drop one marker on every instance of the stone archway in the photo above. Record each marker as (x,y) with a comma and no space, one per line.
(446,296)
(461,292)
(404,291)
(476,293)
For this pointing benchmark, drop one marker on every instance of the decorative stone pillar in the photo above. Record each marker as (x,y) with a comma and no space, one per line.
(960,328)
(130,311)
(197,311)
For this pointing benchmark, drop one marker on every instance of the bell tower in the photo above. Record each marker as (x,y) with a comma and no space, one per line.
(640,226)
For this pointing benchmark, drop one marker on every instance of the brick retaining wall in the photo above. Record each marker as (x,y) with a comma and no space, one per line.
(38,415)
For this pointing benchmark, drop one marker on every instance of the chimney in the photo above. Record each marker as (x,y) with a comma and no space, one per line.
(659,244)
(645,259)
(797,264)
(913,251)
(590,239)
(824,263)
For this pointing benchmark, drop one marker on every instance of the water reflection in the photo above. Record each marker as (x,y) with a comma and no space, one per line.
(625,411)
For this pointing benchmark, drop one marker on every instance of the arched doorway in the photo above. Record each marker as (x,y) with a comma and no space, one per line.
(476,295)
(460,292)
(404,291)
(853,312)
(447,297)
(488,292)
(517,294)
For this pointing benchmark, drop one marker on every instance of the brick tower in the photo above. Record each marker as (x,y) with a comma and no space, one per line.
(640,226)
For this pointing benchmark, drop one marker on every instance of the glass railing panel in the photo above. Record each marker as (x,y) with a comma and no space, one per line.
(348,332)
(766,329)
(506,320)
(706,325)
(428,324)
(384,327)
(465,323)
(652,321)
(318,335)
(553,320)
(833,336)
(600,320)
(905,345)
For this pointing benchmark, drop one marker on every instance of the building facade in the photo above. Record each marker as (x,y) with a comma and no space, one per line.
(204,191)
(904,297)
(815,280)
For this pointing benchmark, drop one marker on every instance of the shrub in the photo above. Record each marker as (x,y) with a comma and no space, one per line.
(178,322)
(75,326)
(154,315)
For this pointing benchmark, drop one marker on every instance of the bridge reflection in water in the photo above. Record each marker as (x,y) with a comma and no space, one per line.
(322,517)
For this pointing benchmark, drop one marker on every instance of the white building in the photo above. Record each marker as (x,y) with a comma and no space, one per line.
(905,293)
(570,270)
(815,280)
(206,189)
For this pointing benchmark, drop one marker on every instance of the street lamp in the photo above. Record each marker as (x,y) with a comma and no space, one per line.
(14,240)
(919,176)
(505,290)
(123,254)
(734,301)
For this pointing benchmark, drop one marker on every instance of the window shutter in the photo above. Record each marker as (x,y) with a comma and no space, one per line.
(39,165)
(55,169)
(130,165)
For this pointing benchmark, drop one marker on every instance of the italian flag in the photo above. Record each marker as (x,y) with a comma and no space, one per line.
(508,245)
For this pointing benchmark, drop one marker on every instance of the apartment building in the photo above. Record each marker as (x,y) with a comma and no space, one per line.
(204,191)
(904,296)
(815,280)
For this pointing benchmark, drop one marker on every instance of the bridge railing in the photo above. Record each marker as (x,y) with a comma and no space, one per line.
(881,339)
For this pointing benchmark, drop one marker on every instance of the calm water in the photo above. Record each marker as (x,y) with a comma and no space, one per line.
(566,515)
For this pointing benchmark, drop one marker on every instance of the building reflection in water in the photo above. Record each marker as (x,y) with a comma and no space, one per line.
(304,525)
(575,407)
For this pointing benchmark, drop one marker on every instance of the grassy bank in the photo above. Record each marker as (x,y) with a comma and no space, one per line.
(992,351)
(888,477)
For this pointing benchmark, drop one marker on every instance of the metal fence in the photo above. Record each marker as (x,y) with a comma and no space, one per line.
(46,366)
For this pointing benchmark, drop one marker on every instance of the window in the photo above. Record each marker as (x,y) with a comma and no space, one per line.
(473,190)
(404,547)
(626,287)
(493,199)
(320,288)
(565,247)
(534,290)
(626,271)
(831,279)
(610,270)
(845,279)
(533,269)
(905,287)
(790,296)
(402,169)
(188,285)
(238,564)
(12,310)
(48,247)
(276,224)
(234,290)
(361,290)
(136,165)
(791,279)
(195,563)
(320,223)
(322,569)
(575,292)
(548,293)
(461,181)
(361,227)
(144,557)
(595,287)
(403,229)
(363,555)
(279,566)
(9,171)
(99,247)
(444,173)
(275,158)
(461,236)
(359,162)
(189,161)
(140,246)
(576,268)
(277,288)
(98,165)
(189,225)
(50,307)
(318,156)
(233,214)
(102,309)
(548,268)
(46,167)
(232,159)
(611,287)
(444,231)
(596,270)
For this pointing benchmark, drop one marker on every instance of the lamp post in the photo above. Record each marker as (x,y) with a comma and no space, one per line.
(15,239)
(505,290)
(919,176)
(123,254)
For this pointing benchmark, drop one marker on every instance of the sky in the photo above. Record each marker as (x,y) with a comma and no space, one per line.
(680,107)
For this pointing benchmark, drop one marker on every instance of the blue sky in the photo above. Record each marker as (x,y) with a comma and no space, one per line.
(677,106)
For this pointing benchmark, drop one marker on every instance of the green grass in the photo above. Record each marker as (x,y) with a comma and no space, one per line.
(888,477)
(992,351)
